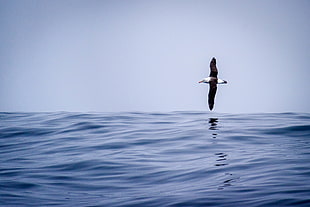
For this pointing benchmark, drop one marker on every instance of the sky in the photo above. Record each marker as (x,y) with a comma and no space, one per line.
(148,55)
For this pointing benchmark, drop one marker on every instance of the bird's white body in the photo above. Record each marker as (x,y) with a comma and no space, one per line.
(208,79)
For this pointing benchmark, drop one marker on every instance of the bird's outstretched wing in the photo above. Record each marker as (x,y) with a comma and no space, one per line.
(212,92)
(213,69)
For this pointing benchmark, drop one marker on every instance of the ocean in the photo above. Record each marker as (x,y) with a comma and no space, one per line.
(154,159)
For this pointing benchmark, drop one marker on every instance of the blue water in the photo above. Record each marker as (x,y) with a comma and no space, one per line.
(154,159)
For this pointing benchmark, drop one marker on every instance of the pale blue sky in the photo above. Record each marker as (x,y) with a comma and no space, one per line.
(148,55)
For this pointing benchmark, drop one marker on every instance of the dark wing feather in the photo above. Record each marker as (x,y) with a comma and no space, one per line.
(213,69)
(212,92)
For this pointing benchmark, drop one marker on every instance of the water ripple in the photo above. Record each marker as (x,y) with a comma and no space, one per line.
(154,159)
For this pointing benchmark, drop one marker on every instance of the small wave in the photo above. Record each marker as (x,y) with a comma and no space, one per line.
(298,130)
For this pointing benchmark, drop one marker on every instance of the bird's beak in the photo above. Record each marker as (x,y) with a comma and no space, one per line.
(200,81)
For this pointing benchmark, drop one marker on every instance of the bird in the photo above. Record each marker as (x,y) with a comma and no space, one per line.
(213,81)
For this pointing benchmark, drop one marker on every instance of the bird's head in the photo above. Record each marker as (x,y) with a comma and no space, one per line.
(205,80)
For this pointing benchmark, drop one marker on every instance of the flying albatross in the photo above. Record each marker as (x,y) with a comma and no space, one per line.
(213,81)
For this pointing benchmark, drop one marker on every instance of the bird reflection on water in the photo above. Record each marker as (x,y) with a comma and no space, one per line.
(221,157)
(213,126)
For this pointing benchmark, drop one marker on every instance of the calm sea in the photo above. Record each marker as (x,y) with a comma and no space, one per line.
(154,159)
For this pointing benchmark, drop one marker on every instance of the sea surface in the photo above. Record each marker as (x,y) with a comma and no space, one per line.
(154,159)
